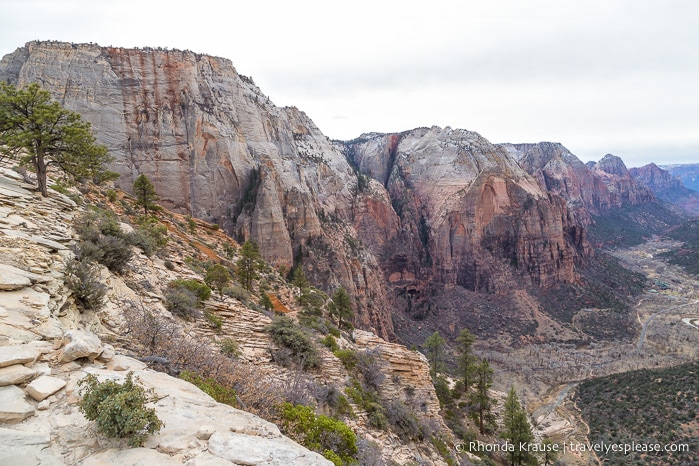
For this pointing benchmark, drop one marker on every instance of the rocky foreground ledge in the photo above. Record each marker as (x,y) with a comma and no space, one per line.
(45,351)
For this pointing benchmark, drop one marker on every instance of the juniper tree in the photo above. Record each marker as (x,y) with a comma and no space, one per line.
(39,134)
(217,277)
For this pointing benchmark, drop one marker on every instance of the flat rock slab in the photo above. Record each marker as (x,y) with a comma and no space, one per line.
(17,374)
(44,386)
(131,457)
(207,459)
(253,450)
(18,354)
(13,405)
(39,240)
(7,270)
(20,448)
(12,281)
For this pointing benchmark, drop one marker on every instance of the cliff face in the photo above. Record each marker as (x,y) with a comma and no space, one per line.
(655,178)
(591,188)
(216,148)
(667,187)
(468,215)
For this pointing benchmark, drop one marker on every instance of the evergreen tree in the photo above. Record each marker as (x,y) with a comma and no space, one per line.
(480,399)
(549,456)
(467,361)
(38,133)
(299,278)
(247,267)
(517,431)
(342,308)
(145,193)
(217,277)
(434,345)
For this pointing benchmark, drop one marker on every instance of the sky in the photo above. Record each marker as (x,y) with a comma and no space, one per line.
(609,76)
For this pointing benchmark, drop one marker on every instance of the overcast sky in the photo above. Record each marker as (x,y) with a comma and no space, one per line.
(600,77)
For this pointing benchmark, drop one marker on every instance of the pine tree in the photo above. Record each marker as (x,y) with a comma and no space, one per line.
(299,278)
(517,430)
(247,267)
(467,361)
(145,193)
(480,399)
(434,345)
(342,308)
(38,133)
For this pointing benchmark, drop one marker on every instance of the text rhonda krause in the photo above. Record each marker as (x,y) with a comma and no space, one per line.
(602,447)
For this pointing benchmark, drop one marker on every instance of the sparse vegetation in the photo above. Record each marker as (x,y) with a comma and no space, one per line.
(295,346)
(211,387)
(83,280)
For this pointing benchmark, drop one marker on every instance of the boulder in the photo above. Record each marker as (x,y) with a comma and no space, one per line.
(18,354)
(44,386)
(80,344)
(13,405)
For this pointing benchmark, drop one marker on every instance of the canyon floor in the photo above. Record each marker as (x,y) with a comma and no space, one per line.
(667,314)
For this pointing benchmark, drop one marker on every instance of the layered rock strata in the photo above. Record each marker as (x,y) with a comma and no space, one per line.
(216,148)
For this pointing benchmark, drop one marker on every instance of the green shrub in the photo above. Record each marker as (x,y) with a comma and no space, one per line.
(238,292)
(348,358)
(83,280)
(150,235)
(211,387)
(102,240)
(181,302)
(441,387)
(330,342)
(200,290)
(368,400)
(230,347)
(265,301)
(330,437)
(286,334)
(119,409)
(403,420)
(214,319)
(169,265)
(111,195)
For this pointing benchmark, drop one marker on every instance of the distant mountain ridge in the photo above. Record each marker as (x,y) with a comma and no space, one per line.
(688,173)
(667,187)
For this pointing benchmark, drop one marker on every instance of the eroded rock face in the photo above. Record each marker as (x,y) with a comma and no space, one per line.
(468,215)
(216,148)
(587,188)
